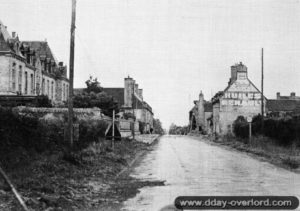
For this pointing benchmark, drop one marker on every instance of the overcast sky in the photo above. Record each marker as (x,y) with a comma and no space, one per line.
(172,48)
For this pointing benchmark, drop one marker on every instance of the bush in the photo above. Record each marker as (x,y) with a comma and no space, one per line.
(241,127)
(91,131)
(25,132)
(43,101)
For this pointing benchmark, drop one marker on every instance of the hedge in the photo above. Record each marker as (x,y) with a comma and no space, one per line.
(284,131)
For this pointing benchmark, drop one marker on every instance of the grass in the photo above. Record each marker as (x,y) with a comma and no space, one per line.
(287,156)
(69,181)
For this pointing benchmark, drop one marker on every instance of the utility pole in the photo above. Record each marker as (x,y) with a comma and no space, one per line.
(113,131)
(133,112)
(262,90)
(71,74)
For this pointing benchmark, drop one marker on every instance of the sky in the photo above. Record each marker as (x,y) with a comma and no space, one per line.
(172,48)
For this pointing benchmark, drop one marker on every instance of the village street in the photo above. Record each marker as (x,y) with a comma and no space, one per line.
(195,167)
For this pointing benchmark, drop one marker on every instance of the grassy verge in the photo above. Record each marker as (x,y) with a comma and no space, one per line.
(82,180)
(287,157)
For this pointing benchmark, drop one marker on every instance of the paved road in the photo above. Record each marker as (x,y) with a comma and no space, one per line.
(194,167)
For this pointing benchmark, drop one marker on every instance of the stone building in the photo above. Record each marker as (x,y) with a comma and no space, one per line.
(29,68)
(131,101)
(240,98)
(200,116)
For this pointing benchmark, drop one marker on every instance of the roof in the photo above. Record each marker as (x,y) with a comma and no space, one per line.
(116,93)
(41,48)
(283,105)
(4,31)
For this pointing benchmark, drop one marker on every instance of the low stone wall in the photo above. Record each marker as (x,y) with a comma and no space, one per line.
(50,114)
(90,111)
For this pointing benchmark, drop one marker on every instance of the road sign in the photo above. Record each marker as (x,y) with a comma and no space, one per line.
(249,119)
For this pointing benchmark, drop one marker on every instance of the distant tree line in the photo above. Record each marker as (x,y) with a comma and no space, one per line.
(178,130)
(284,131)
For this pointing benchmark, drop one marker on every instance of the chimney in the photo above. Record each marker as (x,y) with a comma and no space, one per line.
(136,89)
(13,34)
(141,93)
(233,73)
(293,95)
(128,91)
(278,95)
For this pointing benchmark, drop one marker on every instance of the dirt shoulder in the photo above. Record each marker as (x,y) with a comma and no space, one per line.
(261,148)
(89,179)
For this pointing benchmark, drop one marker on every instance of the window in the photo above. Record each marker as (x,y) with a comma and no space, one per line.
(48,88)
(20,79)
(14,80)
(52,90)
(31,84)
(26,83)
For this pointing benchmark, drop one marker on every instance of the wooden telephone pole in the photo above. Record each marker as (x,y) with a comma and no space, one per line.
(262,90)
(133,112)
(71,74)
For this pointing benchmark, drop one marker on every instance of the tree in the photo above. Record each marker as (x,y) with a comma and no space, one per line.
(178,130)
(157,127)
(172,129)
(93,85)
(93,96)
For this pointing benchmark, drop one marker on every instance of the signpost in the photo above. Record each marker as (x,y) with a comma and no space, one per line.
(249,120)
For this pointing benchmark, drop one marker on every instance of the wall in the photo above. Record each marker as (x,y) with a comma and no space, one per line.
(216,117)
(60,113)
(4,74)
(241,99)
(7,65)
(34,77)
(207,127)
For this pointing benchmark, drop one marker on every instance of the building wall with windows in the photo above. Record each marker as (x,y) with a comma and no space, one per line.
(29,68)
